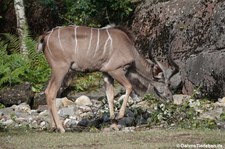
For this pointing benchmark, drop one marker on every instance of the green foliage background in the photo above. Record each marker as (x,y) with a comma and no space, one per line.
(91,12)
(16,68)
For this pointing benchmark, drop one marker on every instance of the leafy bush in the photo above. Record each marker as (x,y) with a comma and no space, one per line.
(171,115)
(39,71)
(11,70)
(92,12)
(87,82)
(17,68)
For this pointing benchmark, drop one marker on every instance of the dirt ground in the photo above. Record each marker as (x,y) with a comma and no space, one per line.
(153,138)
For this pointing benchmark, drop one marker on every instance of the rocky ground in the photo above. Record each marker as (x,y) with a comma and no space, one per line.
(86,114)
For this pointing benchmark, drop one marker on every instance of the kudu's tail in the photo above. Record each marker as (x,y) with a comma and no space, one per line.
(41,43)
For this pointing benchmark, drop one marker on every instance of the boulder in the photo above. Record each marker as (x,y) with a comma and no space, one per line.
(17,94)
(194,31)
(39,99)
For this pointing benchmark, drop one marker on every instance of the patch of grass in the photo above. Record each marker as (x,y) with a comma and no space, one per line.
(87,82)
(2,106)
(154,138)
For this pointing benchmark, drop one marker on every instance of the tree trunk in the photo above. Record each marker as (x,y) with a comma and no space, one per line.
(21,24)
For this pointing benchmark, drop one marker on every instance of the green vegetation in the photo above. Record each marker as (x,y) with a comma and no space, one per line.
(17,68)
(87,82)
(92,12)
(180,116)
(2,106)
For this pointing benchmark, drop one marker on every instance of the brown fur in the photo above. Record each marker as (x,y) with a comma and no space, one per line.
(108,50)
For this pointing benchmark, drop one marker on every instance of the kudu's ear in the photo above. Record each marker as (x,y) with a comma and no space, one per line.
(157,72)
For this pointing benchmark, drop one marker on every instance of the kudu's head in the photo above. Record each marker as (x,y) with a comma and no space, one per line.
(161,83)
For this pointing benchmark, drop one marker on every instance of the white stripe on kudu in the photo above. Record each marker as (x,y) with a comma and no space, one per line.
(48,42)
(75,39)
(106,43)
(89,46)
(110,38)
(97,44)
(60,42)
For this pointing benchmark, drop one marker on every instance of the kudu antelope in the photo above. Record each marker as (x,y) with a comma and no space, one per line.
(109,50)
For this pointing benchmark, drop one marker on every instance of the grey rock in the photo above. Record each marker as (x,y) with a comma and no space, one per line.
(68,123)
(127,121)
(8,122)
(83,101)
(66,112)
(195,37)
(179,99)
(39,99)
(16,94)
(83,122)
(42,108)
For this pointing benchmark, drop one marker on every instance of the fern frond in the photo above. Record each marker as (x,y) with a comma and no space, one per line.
(12,41)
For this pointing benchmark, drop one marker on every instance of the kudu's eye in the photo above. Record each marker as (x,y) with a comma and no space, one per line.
(169,84)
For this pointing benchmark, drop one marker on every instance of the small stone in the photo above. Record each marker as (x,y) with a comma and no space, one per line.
(83,122)
(23,107)
(128,129)
(7,122)
(83,101)
(44,113)
(143,105)
(129,102)
(34,124)
(115,127)
(42,108)
(180,99)
(42,124)
(85,108)
(212,114)
(70,122)
(107,129)
(221,102)
(86,115)
(127,121)
(59,103)
(66,112)
(66,102)
(20,119)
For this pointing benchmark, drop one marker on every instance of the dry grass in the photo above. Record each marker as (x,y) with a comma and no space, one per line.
(155,138)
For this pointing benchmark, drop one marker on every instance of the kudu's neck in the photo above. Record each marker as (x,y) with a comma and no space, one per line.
(141,75)
(143,67)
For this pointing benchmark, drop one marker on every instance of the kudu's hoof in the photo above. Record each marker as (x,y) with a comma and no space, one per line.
(62,131)
(54,129)
(115,127)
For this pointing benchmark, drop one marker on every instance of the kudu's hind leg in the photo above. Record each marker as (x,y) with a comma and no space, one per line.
(51,92)
(53,126)
(119,75)
(109,94)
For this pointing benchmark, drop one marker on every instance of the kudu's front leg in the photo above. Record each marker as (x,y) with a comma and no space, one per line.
(119,75)
(109,94)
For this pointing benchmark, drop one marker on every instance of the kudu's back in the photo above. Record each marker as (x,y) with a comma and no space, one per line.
(88,49)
